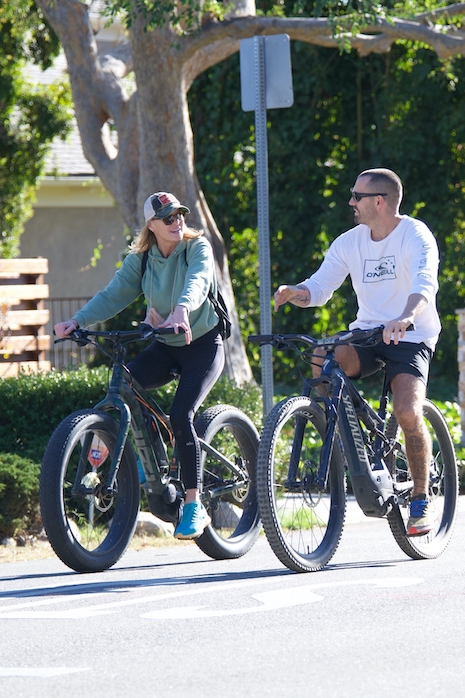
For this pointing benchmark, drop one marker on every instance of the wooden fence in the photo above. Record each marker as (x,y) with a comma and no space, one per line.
(23,316)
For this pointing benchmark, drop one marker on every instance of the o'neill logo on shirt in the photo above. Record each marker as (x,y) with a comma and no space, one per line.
(379,269)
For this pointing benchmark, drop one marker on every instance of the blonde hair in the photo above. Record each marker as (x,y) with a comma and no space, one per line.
(146,238)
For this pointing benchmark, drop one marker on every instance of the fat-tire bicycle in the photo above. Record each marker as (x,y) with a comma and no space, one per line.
(91,479)
(313,444)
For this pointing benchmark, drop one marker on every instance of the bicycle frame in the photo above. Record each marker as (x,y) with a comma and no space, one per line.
(136,408)
(363,451)
(345,410)
(126,398)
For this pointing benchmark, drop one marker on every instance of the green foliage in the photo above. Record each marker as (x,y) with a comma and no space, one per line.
(19,494)
(402,110)
(33,405)
(31,116)
(183,16)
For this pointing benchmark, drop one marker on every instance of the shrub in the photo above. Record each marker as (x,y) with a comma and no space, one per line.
(19,495)
(33,405)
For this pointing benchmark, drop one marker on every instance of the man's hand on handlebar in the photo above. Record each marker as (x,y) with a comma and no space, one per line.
(395,329)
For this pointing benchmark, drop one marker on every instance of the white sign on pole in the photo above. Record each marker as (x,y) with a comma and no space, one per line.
(278,73)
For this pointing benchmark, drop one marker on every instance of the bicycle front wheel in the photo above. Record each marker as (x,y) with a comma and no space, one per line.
(443,487)
(228,474)
(88,527)
(303,524)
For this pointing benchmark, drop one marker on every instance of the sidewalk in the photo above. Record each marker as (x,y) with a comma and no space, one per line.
(355,515)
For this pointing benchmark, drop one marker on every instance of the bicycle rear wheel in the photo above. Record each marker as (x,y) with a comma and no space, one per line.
(229,494)
(302,523)
(88,528)
(443,487)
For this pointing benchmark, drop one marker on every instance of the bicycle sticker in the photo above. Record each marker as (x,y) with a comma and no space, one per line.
(98,452)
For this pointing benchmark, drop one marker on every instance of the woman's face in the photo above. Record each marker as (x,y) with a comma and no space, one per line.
(168,231)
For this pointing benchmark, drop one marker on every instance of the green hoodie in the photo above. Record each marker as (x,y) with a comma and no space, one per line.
(183,278)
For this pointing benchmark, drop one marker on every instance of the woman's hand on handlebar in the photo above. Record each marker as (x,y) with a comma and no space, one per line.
(179,319)
(153,318)
(63,329)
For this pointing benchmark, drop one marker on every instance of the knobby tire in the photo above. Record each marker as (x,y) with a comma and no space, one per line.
(235,523)
(443,488)
(302,524)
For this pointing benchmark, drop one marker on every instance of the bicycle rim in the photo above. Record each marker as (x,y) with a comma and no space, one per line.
(443,488)
(302,523)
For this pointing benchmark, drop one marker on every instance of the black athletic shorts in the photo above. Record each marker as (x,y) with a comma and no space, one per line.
(405,357)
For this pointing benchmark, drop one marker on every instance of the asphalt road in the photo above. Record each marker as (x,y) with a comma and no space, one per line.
(171,622)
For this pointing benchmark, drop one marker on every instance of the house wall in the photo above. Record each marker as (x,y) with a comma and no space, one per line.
(71,218)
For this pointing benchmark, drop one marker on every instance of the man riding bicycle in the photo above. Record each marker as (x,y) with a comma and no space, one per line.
(393,261)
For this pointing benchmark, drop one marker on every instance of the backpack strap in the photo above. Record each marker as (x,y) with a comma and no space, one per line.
(143,265)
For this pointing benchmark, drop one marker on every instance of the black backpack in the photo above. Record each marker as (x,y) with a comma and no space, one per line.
(217,302)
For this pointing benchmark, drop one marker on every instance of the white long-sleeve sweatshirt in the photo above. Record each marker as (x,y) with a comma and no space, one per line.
(384,273)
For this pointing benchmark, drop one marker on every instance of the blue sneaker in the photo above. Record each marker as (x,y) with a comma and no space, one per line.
(422,518)
(194,521)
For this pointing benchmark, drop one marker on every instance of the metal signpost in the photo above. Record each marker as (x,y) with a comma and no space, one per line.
(266,83)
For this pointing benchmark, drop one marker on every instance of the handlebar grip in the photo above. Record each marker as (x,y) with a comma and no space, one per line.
(153,331)
(260,338)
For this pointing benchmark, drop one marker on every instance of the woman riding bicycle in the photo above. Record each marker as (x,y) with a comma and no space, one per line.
(179,275)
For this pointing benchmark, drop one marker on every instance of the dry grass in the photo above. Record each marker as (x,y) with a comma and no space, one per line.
(36,549)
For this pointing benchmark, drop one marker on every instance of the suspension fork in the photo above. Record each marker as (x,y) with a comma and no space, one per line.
(331,410)
(112,401)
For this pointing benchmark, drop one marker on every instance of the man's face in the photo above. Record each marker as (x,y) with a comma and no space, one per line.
(365,207)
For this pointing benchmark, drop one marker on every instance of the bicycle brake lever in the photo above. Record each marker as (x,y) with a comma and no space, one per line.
(80,342)
(150,331)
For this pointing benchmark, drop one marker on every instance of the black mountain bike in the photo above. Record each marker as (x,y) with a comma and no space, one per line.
(90,481)
(311,442)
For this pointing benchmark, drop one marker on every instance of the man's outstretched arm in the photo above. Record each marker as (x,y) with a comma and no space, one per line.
(297,295)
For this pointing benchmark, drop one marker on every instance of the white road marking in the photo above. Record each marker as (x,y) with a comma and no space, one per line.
(39,672)
(281,598)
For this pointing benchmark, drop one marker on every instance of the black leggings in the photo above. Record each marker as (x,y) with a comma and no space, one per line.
(200,365)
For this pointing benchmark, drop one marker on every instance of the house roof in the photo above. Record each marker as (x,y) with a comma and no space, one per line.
(66,158)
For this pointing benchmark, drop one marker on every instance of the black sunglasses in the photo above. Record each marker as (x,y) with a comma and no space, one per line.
(358,195)
(169,220)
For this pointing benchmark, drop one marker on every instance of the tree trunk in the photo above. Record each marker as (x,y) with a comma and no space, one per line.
(155,151)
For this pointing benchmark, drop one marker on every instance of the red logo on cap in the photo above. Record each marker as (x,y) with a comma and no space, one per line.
(164,199)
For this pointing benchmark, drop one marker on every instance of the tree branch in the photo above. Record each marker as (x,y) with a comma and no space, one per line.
(97,92)
(378,37)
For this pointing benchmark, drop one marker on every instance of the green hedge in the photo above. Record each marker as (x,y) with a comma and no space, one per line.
(19,502)
(34,405)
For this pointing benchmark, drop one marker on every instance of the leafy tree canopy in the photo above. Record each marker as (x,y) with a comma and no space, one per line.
(402,110)
(31,116)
